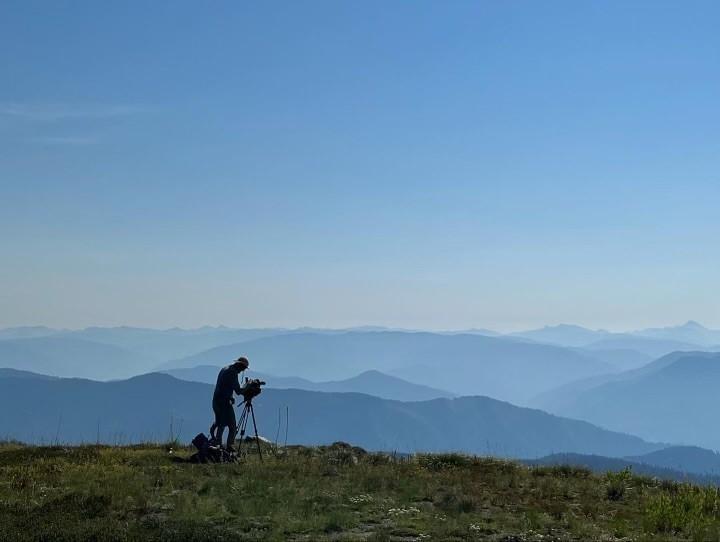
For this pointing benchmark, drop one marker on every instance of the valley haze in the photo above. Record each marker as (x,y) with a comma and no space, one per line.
(566,370)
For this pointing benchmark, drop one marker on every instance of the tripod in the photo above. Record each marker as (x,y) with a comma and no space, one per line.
(247,412)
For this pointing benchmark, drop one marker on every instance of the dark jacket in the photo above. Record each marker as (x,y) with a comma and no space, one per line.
(227,383)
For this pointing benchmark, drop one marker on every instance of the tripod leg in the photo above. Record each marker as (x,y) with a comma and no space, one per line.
(257,438)
(242,424)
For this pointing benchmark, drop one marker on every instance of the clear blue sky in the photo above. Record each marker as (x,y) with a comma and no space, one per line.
(418,164)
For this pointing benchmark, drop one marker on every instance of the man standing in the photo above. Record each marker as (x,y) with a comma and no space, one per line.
(227,383)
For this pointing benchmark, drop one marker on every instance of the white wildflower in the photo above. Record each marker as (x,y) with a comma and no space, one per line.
(361,499)
(403,511)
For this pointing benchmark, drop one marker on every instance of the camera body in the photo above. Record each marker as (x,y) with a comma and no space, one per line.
(252,388)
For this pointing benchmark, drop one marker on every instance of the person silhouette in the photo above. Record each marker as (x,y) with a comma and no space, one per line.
(223,401)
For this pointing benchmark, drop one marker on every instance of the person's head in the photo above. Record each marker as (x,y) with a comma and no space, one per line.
(240,364)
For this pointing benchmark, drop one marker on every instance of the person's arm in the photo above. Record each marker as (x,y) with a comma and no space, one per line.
(237,388)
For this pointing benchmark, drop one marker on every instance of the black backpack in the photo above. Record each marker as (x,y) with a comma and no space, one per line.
(206,451)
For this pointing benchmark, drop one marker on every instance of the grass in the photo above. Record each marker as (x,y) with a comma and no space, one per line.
(333,493)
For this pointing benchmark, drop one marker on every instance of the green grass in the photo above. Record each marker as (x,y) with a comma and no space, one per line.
(333,493)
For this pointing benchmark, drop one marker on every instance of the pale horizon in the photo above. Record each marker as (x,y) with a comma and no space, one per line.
(501,331)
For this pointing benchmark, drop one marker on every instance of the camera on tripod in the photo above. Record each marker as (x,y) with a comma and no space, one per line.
(252,388)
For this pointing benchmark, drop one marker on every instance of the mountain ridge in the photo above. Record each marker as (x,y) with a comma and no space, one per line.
(65,356)
(672,399)
(370,382)
(85,410)
(460,364)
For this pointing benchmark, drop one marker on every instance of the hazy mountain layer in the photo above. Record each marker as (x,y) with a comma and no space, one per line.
(601,465)
(509,367)
(27,332)
(619,359)
(683,458)
(648,346)
(64,356)
(73,410)
(161,345)
(462,364)
(207,374)
(14,373)
(563,334)
(370,382)
(691,332)
(673,399)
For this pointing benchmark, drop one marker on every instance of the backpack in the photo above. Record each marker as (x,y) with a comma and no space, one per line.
(206,451)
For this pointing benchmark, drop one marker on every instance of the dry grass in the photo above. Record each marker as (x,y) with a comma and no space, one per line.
(333,493)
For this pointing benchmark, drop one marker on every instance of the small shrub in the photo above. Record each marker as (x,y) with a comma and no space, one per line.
(454,502)
(690,510)
(465,505)
(336,522)
(618,483)
(669,486)
(90,506)
(380,536)
(562,471)
(440,462)
(377,459)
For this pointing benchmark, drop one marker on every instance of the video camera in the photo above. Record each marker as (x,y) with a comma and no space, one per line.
(251,388)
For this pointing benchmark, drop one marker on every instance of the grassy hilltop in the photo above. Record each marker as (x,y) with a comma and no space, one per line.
(333,493)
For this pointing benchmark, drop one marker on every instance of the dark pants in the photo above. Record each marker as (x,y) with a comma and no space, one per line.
(225,417)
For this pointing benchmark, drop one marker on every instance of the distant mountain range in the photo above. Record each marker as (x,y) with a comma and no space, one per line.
(370,382)
(14,373)
(672,399)
(515,367)
(155,341)
(621,359)
(28,332)
(144,407)
(653,342)
(207,374)
(641,465)
(161,345)
(682,463)
(462,364)
(150,344)
(654,348)
(691,332)
(690,459)
(563,335)
(67,356)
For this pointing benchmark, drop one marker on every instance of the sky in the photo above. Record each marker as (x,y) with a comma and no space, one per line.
(435,165)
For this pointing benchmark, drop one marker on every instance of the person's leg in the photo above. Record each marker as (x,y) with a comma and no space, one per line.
(213,428)
(232,427)
(232,431)
(216,430)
